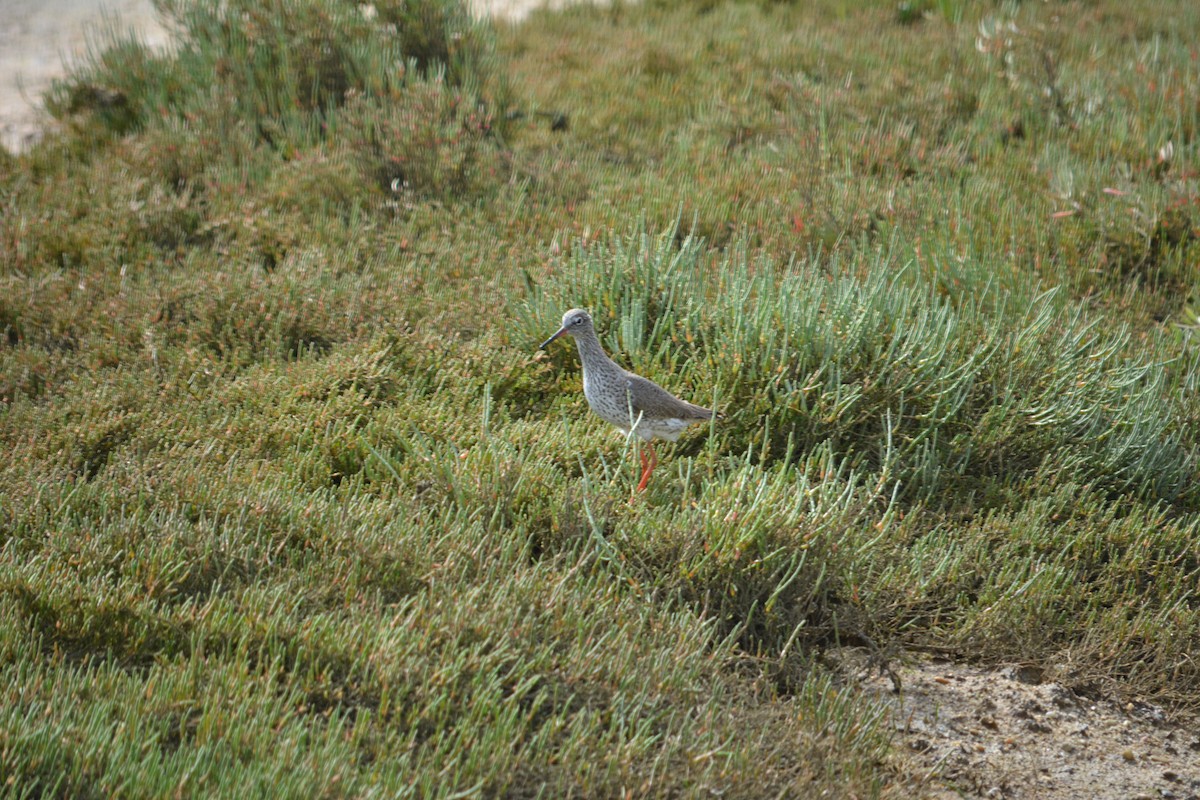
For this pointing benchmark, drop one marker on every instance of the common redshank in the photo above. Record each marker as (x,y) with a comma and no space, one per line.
(631,402)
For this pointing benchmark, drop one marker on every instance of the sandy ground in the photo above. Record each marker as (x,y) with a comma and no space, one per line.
(37,37)
(1008,734)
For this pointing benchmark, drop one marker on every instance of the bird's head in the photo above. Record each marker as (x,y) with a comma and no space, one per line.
(574,322)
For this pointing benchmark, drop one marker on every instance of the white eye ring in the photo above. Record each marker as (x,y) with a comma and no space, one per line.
(578,321)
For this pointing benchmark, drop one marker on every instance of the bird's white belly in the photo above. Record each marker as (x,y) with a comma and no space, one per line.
(668,429)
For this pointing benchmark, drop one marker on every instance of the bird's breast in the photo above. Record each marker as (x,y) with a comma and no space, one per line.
(609,399)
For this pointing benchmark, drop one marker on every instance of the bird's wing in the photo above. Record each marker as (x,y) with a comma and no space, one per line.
(651,400)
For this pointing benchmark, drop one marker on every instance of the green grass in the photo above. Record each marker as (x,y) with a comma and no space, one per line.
(293,507)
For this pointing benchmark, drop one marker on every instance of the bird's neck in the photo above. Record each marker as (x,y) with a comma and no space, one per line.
(592,354)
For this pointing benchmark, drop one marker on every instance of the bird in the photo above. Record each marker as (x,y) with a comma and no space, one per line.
(628,401)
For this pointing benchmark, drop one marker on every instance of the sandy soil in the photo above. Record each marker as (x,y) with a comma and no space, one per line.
(37,37)
(968,732)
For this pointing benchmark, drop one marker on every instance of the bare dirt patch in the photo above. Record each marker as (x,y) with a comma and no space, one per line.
(965,731)
(39,39)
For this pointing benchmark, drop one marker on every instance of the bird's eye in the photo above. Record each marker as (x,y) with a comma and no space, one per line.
(578,320)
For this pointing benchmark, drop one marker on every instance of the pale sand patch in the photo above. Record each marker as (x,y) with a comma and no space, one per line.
(37,37)
(1013,734)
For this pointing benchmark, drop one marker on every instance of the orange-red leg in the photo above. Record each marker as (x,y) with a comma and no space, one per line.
(647,468)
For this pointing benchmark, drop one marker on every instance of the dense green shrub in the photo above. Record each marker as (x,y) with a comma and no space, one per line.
(280,68)
(429,141)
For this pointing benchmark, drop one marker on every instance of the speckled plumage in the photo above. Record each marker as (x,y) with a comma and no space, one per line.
(629,401)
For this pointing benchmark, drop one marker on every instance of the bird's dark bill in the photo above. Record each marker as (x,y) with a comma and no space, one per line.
(560,332)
